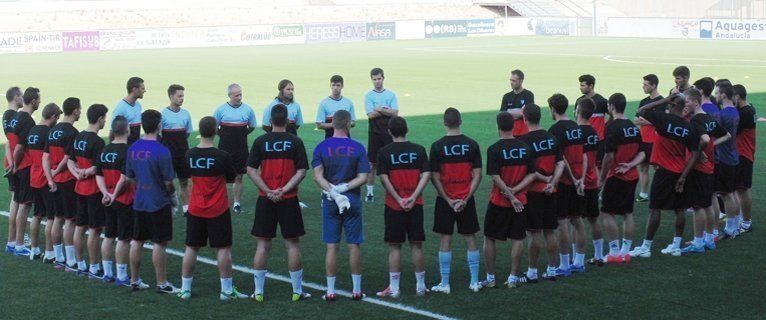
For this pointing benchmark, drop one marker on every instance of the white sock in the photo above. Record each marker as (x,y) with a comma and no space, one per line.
(420,277)
(93,268)
(58,251)
(551,270)
(236,203)
(186,283)
(614,248)
(20,247)
(370,189)
(357,280)
(107,268)
(647,244)
(643,194)
(579,259)
(677,242)
(11,244)
(81,265)
(35,250)
(598,252)
(626,244)
(490,277)
(564,261)
(296,278)
(122,271)
(574,248)
(393,281)
(330,285)
(226,286)
(260,280)
(186,208)
(512,278)
(699,241)
(70,255)
(715,232)
(49,255)
(532,273)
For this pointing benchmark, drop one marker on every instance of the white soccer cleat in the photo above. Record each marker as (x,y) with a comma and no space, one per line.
(421,291)
(475,287)
(671,250)
(641,252)
(441,288)
(387,292)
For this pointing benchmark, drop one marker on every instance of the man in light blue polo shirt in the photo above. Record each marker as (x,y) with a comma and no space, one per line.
(331,104)
(175,128)
(380,105)
(286,98)
(130,108)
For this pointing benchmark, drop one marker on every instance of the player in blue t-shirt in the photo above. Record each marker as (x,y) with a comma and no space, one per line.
(176,127)
(380,105)
(130,108)
(286,98)
(149,167)
(727,159)
(334,102)
(340,168)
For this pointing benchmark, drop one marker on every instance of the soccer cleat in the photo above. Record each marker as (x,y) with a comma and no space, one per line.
(357,296)
(36,256)
(514,283)
(329,297)
(122,282)
(72,268)
(575,268)
(98,275)
(475,287)
(9,249)
(710,245)
(22,253)
(549,276)
(108,279)
(610,259)
(49,261)
(527,279)
(671,250)
(387,292)
(693,249)
(59,265)
(138,285)
(488,283)
(301,296)
(167,288)
(563,272)
(597,262)
(641,251)
(370,198)
(237,209)
(726,236)
(421,291)
(234,294)
(743,229)
(186,294)
(82,272)
(441,288)
(641,199)
(257,297)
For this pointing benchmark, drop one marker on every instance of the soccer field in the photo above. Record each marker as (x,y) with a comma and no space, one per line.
(428,75)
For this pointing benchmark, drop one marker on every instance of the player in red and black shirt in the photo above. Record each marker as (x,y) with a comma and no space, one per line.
(209,219)
(516,99)
(86,148)
(456,173)
(590,147)
(619,177)
(43,198)
(569,200)
(541,198)
(512,168)
(13,95)
(598,119)
(403,168)
(746,150)
(61,182)
(277,164)
(20,166)
(118,197)
(675,137)
(648,135)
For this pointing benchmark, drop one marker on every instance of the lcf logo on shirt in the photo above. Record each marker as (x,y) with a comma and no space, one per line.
(404,158)
(514,153)
(543,145)
(456,150)
(677,131)
(110,157)
(201,163)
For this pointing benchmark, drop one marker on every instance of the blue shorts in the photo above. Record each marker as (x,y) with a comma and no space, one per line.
(333,223)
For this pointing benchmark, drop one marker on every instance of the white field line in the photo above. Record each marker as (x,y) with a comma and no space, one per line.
(311,285)
(626,59)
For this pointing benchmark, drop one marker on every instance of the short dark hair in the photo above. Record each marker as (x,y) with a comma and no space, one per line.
(120,126)
(12,93)
(694,94)
(504,121)
(705,85)
(618,101)
(677,103)
(726,89)
(722,81)
(208,127)
(150,120)
(739,90)
(681,71)
(341,120)
(173,88)
(51,110)
(398,126)
(70,105)
(531,113)
(588,79)
(452,118)
(336,79)
(134,82)
(95,112)
(518,73)
(278,115)
(652,79)
(377,71)
(30,95)
(558,103)
(586,107)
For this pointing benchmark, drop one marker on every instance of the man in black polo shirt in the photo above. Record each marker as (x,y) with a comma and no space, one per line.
(516,99)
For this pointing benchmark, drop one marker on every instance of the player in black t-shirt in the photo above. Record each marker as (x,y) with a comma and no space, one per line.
(591,145)
(43,198)
(13,96)
(746,149)
(514,100)
(648,136)
(598,119)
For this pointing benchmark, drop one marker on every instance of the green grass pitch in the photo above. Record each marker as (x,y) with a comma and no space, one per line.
(428,75)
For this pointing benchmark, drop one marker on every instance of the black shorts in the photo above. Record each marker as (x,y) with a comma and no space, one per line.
(90,211)
(286,213)
(725,178)
(568,203)
(646,147)
(23,193)
(501,223)
(590,208)
(180,167)
(618,196)
(404,226)
(238,158)
(445,218)
(13,182)
(663,195)
(45,203)
(700,189)
(119,221)
(744,176)
(374,143)
(66,199)
(541,211)
(156,226)
(216,230)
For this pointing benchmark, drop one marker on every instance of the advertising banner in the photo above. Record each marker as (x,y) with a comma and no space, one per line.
(732,29)
(117,39)
(446,28)
(653,28)
(80,41)
(381,31)
(552,27)
(481,27)
(346,32)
